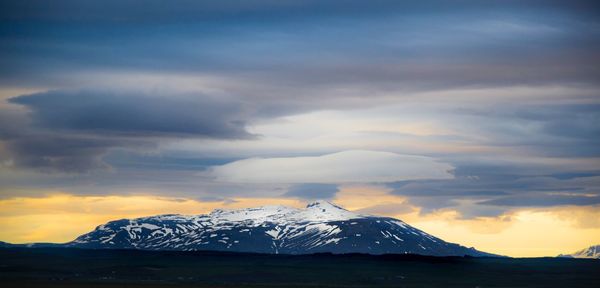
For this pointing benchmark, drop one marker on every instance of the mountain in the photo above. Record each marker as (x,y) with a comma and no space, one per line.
(6,245)
(592,252)
(321,227)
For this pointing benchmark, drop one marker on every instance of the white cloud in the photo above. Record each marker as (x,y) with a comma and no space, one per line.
(353,166)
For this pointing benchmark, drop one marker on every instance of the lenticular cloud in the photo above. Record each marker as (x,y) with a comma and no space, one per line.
(354,166)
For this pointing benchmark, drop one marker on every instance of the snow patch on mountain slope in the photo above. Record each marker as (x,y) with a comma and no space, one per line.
(592,252)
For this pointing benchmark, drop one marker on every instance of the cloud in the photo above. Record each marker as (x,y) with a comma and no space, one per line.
(50,152)
(353,166)
(130,113)
(454,81)
(312,191)
(544,200)
(426,45)
(491,189)
(119,11)
(558,129)
(71,131)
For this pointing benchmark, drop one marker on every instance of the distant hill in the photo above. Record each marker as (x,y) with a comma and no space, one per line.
(592,252)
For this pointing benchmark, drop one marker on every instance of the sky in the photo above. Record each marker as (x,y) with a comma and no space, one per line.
(476,121)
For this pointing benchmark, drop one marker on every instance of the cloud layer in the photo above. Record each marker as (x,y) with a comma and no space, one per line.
(127,113)
(342,167)
(218,100)
(72,130)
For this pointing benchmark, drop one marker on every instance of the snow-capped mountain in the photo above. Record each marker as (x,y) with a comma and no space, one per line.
(592,252)
(320,227)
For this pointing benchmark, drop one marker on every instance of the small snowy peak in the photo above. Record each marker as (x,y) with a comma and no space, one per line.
(315,211)
(592,252)
(322,210)
(322,204)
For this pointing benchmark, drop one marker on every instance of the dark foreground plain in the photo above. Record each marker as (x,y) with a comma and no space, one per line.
(62,267)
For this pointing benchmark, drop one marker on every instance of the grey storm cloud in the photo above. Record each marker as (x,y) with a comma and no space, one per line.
(65,153)
(136,114)
(72,130)
(383,44)
(557,130)
(156,10)
(491,189)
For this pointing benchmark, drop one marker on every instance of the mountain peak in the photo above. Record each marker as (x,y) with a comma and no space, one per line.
(590,252)
(324,204)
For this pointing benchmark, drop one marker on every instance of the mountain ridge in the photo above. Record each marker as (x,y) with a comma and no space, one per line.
(592,252)
(321,227)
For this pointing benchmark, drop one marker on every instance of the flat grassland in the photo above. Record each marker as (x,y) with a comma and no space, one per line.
(60,267)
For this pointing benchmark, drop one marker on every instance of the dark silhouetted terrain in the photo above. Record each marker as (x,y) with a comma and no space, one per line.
(67,267)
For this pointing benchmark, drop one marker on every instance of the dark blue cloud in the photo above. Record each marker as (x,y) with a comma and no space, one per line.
(64,153)
(105,112)
(490,189)
(557,130)
(180,10)
(426,45)
(573,175)
(73,130)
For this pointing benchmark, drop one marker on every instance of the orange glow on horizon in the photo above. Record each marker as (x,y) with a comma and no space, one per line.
(529,232)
